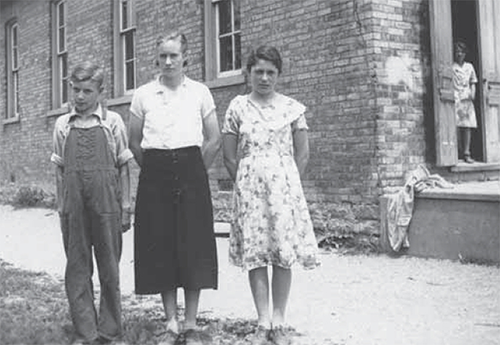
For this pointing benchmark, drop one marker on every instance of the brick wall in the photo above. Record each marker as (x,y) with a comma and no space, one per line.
(360,66)
(401,58)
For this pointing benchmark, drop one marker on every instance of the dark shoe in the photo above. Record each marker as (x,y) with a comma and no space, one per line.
(169,338)
(280,336)
(261,336)
(193,337)
(469,160)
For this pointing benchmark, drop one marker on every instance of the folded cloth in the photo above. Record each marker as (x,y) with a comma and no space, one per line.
(400,205)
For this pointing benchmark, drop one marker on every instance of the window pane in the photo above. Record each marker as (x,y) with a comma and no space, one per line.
(237,51)
(60,9)
(14,49)
(236,13)
(226,54)
(124,13)
(129,75)
(15,88)
(14,36)
(64,78)
(129,45)
(14,58)
(224,16)
(62,40)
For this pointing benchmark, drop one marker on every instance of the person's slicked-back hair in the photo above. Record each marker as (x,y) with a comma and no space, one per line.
(87,71)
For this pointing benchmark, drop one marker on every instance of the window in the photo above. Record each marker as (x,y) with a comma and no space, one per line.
(124,47)
(12,58)
(59,55)
(223,40)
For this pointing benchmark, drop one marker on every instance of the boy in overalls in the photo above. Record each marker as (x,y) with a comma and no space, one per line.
(91,156)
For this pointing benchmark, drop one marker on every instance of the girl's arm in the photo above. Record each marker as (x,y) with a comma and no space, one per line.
(136,125)
(229,148)
(211,145)
(473,91)
(301,149)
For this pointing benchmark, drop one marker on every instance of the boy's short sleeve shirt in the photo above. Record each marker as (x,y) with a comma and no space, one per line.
(114,129)
(172,119)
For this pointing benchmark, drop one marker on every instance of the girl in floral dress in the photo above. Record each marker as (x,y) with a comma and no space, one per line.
(266,151)
(464,84)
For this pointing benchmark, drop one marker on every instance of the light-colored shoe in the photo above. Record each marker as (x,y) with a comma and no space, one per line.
(261,336)
(169,338)
(280,336)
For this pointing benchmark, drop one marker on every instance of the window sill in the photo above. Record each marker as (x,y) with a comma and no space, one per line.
(10,120)
(226,81)
(126,99)
(59,111)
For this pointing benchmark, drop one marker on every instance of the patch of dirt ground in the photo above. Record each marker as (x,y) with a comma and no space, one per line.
(349,299)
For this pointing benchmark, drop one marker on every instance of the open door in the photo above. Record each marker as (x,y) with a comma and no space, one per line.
(489,46)
(442,75)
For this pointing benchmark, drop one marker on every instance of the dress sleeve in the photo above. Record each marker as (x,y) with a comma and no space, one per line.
(473,76)
(231,123)
(298,111)
(300,123)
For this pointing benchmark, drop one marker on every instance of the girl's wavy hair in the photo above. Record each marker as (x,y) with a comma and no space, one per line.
(265,52)
(462,46)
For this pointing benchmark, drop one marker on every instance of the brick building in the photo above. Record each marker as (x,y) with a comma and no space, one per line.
(374,75)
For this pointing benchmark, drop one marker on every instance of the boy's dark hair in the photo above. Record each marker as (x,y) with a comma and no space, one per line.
(87,71)
(265,52)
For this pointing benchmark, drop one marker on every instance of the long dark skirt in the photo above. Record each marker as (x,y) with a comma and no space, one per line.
(174,242)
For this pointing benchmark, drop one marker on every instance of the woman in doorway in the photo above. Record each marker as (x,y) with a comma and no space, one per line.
(174,136)
(464,84)
(271,225)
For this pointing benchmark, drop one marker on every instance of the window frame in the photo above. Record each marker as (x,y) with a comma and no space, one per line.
(12,64)
(213,76)
(120,49)
(60,73)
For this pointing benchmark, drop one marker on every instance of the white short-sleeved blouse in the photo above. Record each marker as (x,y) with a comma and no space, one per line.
(172,119)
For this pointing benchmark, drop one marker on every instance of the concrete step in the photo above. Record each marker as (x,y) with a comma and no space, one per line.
(462,223)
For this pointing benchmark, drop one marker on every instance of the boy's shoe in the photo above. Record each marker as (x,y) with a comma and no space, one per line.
(280,336)
(169,338)
(261,336)
(105,341)
(193,337)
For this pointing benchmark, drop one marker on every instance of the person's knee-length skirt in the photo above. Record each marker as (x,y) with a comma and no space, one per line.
(174,242)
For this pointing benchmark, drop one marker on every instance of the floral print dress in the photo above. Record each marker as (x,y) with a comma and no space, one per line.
(463,77)
(271,224)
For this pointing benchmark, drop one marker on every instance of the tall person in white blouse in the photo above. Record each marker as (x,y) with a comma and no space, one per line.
(174,136)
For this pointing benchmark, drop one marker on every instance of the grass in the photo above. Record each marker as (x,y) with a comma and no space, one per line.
(34,310)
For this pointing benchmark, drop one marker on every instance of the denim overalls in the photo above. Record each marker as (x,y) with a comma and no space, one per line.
(91,217)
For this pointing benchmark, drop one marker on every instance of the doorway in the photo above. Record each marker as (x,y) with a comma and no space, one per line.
(465,28)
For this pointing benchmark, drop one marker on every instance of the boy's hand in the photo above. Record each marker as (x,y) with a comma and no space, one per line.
(126,216)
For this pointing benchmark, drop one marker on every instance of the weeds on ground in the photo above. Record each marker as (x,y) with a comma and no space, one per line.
(34,310)
(26,196)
